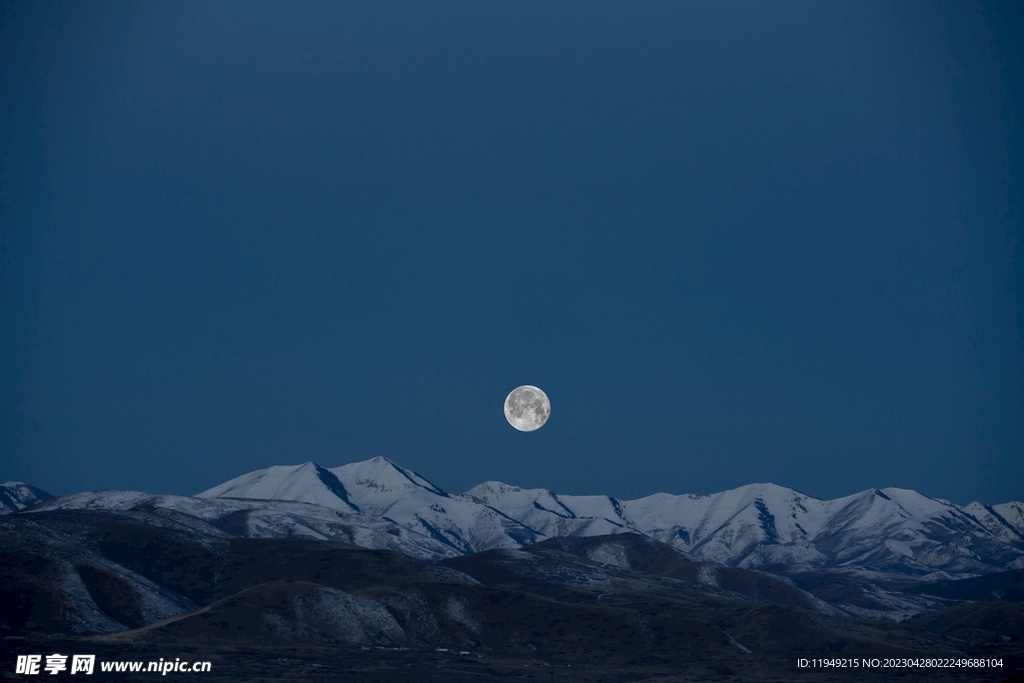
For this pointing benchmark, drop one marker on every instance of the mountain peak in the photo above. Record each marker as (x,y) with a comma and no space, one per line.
(492,487)
(383,477)
(16,495)
(305,483)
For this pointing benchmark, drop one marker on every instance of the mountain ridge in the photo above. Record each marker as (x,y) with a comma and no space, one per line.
(884,529)
(16,495)
(762,525)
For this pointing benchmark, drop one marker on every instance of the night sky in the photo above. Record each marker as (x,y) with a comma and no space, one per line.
(733,242)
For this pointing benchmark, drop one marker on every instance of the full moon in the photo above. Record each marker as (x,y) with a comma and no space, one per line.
(527,408)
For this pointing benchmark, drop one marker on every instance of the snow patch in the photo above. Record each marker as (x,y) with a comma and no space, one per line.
(899,548)
(736,644)
(611,554)
(459,613)
(337,615)
(706,576)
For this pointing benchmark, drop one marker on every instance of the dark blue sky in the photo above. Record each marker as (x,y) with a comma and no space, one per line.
(734,242)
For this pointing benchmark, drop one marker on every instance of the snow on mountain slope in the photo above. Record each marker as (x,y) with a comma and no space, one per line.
(726,527)
(62,566)
(758,525)
(764,524)
(1005,520)
(306,483)
(380,482)
(547,513)
(383,489)
(213,518)
(15,495)
(380,489)
(899,530)
(720,528)
(1012,514)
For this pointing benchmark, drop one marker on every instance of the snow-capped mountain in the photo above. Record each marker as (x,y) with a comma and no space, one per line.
(763,524)
(307,483)
(1005,521)
(380,489)
(15,495)
(759,525)
(885,554)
